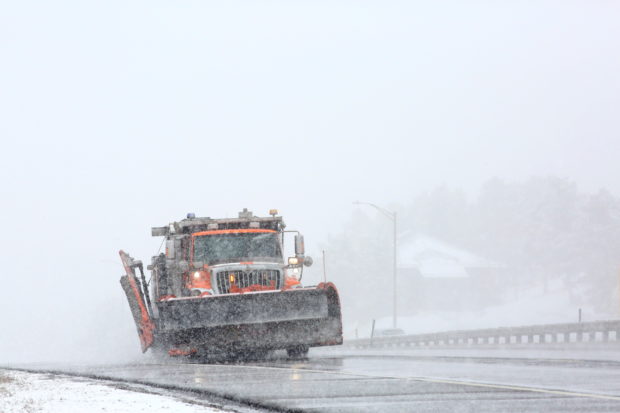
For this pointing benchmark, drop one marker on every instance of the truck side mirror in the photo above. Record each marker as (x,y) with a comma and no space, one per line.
(300,248)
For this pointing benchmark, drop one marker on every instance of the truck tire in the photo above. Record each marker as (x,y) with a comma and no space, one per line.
(297,352)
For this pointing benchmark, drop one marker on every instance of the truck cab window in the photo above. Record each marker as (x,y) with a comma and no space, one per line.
(219,248)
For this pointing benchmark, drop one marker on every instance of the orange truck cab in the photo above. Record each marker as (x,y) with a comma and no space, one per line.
(237,250)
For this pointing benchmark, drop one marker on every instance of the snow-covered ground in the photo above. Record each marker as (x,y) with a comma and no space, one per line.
(22,392)
(531,308)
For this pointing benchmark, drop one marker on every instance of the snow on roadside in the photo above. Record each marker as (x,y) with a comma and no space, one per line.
(531,308)
(22,392)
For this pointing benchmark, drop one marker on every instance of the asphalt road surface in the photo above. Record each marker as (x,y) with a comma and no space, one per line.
(345,381)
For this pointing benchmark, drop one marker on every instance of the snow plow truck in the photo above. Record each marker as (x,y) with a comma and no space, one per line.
(222,287)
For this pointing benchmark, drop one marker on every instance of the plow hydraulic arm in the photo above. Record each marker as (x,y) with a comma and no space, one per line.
(139,300)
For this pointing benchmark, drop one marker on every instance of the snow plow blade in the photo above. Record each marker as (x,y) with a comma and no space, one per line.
(265,320)
(136,299)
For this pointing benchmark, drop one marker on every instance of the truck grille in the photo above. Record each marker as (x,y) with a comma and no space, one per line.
(244,279)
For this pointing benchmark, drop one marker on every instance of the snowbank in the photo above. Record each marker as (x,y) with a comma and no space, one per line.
(29,393)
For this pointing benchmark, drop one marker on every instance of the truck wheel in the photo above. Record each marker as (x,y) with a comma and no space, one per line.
(297,352)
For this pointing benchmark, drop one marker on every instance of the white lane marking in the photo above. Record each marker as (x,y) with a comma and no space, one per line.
(447,381)
(518,388)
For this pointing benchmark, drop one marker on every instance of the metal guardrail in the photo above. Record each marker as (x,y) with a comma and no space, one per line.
(601,331)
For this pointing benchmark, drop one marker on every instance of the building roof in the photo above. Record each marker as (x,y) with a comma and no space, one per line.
(436,259)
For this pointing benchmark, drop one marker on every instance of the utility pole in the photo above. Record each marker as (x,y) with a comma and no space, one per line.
(395,270)
(392,216)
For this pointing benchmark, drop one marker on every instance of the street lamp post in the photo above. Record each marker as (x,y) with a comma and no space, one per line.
(391,215)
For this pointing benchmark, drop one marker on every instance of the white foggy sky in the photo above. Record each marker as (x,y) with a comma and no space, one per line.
(119,116)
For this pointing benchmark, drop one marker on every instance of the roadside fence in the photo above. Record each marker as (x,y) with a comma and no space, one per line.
(594,331)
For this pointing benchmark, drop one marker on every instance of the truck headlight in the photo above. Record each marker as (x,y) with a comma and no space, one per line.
(293,261)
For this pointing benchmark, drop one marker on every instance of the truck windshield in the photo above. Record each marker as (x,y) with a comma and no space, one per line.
(235,247)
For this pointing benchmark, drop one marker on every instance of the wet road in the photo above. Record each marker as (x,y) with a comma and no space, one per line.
(337,381)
